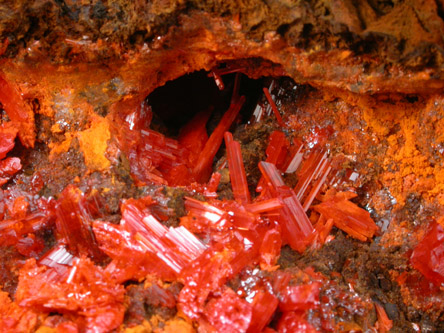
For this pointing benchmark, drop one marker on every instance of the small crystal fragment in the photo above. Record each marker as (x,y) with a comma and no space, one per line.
(59,260)
(385,324)
(295,157)
(218,80)
(30,246)
(324,171)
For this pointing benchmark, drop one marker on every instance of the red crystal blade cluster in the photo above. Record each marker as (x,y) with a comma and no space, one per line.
(348,216)
(73,223)
(217,240)
(294,222)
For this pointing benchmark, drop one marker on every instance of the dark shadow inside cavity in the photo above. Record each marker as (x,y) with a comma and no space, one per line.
(175,103)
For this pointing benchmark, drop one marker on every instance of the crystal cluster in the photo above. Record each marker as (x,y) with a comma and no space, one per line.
(81,278)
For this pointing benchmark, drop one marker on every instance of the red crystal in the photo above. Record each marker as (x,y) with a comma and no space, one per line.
(203,216)
(237,171)
(311,168)
(322,176)
(264,306)
(193,135)
(205,275)
(276,153)
(8,168)
(8,132)
(236,87)
(270,249)
(14,318)
(229,313)
(428,255)
(176,247)
(12,230)
(265,206)
(296,226)
(73,223)
(277,148)
(295,157)
(59,261)
(30,246)
(213,184)
(130,260)
(87,294)
(322,230)
(202,170)
(246,246)
(300,297)
(274,107)
(294,322)
(218,80)
(19,113)
(348,217)
(384,323)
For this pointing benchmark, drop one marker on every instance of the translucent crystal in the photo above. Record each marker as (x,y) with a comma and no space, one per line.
(8,168)
(274,107)
(93,300)
(73,223)
(428,255)
(18,111)
(237,171)
(296,227)
(348,216)
(202,170)
(229,313)
(264,305)
(8,132)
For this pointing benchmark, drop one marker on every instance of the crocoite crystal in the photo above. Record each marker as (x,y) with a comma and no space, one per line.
(91,305)
(294,222)
(19,113)
(74,221)
(428,255)
(348,216)
(237,170)
(217,241)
